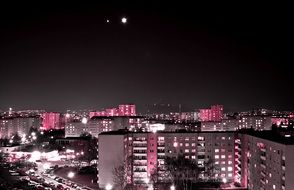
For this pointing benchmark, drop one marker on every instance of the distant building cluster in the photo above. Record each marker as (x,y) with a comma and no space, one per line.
(251,149)
(215,113)
(122,110)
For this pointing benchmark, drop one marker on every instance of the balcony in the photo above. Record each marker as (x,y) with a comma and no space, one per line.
(140,157)
(262,181)
(160,145)
(160,153)
(143,167)
(140,154)
(140,147)
(263,157)
(139,170)
(263,166)
(140,164)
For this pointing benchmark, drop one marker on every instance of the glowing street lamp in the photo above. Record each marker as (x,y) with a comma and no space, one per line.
(46,166)
(108,186)
(172,187)
(70,174)
(84,120)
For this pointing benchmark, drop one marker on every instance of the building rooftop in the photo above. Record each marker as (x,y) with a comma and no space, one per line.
(123,132)
(113,117)
(282,137)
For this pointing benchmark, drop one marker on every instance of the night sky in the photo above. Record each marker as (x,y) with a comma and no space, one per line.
(66,56)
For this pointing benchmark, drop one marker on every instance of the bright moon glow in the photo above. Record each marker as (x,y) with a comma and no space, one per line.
(124,20)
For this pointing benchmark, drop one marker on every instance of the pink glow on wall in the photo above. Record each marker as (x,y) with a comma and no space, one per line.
(152,153)
(122,110)
(215,113)
(50,121)
(279,121)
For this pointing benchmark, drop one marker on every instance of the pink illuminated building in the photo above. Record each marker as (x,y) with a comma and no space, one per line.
(122,110)
(127,110)
(205,114)
(215,113)
(50,120)
(145,154)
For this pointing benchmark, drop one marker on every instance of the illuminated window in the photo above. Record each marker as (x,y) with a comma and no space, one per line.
(193,144)
(216,156)
(186,144)
(181,144)
(216,150)
(230,175)
(186,150)
(274,186)
(217,162)
(223,169)
(230,169)
(223,156)
(223,138)
(175,144)
(187,157)
(230,162)
(193,150)
(223,162)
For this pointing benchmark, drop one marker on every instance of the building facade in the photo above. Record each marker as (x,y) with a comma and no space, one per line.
(51,120)
(149,150)
(215,113)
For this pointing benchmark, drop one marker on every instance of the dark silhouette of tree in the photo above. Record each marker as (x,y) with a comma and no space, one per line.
(119,176)
(86,135)
(181,171)
(16,138)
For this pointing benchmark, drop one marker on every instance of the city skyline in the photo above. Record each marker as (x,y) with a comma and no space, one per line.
(82,56)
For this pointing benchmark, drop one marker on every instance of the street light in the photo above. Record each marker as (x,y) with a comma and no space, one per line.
(46,166)
(172,187)
(108,186)
(70,174)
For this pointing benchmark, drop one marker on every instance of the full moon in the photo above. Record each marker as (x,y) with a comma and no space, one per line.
(124,20)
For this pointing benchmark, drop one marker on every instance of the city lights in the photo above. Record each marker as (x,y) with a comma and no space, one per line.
(172,187)
(36,155)
(46,166)
(84,120)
